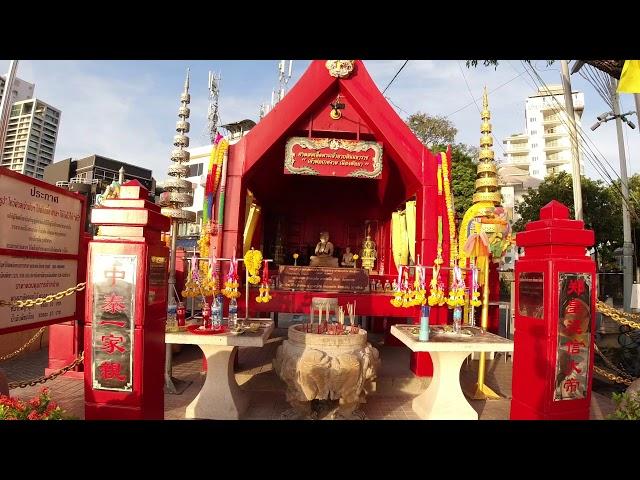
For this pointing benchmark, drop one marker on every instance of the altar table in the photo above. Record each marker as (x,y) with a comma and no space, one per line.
(221,398)
(443,399)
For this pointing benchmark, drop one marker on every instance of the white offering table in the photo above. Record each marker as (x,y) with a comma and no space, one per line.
(443,399)
(221,398)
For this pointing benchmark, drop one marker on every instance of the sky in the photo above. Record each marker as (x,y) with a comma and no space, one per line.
(127,109)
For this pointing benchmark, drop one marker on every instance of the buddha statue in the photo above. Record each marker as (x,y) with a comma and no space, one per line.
(369,253)
(323,253)
(347,258)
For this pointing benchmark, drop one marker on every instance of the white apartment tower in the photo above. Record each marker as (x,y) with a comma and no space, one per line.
(31,137)
(545,147)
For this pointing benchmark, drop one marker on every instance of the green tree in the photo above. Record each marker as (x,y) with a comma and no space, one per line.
(436,133)
(432,130)
(601,210)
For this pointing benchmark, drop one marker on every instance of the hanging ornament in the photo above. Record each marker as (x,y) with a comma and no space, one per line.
(231,283)
(475,293)
(396,301)
(456,290)
(264,295)
(252,261)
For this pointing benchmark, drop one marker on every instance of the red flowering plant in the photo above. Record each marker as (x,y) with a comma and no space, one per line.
(38,408)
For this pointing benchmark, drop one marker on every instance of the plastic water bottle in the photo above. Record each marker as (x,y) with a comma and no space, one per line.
(233,315)
(457,319)
(216,313)
(423,336)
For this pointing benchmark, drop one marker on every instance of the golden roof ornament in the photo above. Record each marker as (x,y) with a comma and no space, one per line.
(486,174)
(340,68)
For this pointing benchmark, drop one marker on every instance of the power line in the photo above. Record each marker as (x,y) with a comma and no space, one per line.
(394,77)
(588,153)
(490,91)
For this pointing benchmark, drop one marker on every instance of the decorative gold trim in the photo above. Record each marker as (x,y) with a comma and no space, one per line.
(340,68)
(333,144)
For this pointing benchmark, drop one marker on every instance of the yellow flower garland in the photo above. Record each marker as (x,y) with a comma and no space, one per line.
(252,262)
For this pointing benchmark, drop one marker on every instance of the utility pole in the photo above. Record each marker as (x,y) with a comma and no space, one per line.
(575,152)
(627,246)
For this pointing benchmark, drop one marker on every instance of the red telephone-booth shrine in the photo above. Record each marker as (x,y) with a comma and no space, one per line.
(299,198)
(126,309)
(555,319)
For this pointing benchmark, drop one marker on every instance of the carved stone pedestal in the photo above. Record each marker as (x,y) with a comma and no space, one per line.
(338,368)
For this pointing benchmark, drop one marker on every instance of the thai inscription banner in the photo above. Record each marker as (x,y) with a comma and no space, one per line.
(23,278)
(574,335)
(35,219)
(333,157)
(114,289)
(322,279)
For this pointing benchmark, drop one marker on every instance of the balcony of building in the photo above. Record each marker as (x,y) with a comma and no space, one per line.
(557,159)
(555,146)
(555,119)
(553,133)
(517,149)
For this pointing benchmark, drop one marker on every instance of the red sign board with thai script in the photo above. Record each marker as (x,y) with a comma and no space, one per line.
(40,230)
(333,157)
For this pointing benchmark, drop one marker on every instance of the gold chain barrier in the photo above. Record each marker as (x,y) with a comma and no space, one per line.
(51,376)
(49,298)
(22,348)
(618,316)
(611,376)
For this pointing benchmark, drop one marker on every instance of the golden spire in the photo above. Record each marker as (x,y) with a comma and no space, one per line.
(487,178)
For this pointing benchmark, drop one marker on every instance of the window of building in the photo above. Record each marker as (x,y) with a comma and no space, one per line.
(535,172)
(532,119)
(534,145)
(534,159)
(534,132)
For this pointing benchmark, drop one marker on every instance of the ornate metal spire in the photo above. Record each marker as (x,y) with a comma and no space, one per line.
(178,191)
(487,178)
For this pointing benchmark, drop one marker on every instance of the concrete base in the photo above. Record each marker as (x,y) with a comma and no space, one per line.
(220,398)
(443,399)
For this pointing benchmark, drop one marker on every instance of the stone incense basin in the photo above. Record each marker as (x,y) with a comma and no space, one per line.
(339,368)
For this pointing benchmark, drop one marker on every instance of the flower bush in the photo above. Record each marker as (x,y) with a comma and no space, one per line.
(38,408)
(627,406)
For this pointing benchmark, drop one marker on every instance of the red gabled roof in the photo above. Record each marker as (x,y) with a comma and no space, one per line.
(361,91)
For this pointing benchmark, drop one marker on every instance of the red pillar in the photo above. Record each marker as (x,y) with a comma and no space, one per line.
(555,319)
(126,309)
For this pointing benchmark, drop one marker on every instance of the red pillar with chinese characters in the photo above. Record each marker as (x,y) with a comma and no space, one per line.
(126,309)
(555,319)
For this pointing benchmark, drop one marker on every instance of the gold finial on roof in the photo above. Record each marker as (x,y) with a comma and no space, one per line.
(486,178)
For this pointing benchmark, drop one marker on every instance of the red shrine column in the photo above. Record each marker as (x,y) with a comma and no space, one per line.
(126,309)
(555,319)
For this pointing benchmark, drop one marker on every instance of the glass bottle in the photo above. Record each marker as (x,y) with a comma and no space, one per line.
(233,315)
(457,319)
(206,316)
(181,314)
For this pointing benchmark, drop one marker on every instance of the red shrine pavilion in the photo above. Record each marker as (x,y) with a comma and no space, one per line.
(341,191)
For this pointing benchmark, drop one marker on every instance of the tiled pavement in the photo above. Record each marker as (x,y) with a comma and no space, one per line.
(396,385)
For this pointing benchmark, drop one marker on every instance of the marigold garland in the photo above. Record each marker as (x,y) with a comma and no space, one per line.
(264,296)
(231,283)
(252,261)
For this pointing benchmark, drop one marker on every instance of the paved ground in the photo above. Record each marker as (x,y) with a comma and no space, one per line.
(396,386)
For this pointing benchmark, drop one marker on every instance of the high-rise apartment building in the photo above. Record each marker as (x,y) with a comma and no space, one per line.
(30,142)
(21,90)
(545,146)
